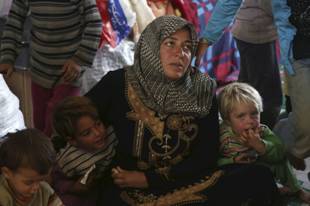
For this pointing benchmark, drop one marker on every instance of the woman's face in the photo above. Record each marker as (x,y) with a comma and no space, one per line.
(175,54)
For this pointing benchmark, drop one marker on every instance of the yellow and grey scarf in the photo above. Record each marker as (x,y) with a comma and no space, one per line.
(192,94)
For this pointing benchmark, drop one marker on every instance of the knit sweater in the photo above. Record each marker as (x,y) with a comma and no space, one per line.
(61,30)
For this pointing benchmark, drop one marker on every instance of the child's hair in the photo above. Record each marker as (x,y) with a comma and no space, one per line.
(28,148)
(236,93)
(69,111)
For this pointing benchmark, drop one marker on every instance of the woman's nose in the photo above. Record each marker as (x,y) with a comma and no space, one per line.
(179,51)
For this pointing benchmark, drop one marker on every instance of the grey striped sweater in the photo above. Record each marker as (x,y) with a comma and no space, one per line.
(61,29)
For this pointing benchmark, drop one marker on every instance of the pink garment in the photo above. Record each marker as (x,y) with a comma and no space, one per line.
(44,101)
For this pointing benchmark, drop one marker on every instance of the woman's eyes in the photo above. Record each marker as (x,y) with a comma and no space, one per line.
(188,47)
(185,46)
(169,43)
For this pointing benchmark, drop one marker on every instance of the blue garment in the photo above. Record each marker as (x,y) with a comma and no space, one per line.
(222,16)
(225,11)
(286,32)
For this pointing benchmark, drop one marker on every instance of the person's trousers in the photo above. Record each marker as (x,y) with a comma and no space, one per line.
(295,130)
(44,101)
(259,68)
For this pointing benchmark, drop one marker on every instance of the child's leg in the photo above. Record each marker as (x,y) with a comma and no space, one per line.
(40,98)
(287,177)
(58,94)
(284,173)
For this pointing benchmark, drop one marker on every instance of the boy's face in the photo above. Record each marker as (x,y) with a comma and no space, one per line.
(90,134)
(243,117)
(24,182)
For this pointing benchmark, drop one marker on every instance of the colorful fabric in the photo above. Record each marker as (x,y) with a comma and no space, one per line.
(188,10)
(192,94)
(221,61)
(75,162)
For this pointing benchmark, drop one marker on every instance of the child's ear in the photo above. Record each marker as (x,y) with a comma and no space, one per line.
(6,172)
(71,141)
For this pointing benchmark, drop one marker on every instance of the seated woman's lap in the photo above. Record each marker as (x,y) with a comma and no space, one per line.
(242,182)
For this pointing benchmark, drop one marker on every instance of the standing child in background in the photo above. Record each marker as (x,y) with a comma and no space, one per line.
(244,140)
(26,159)
(81,165)
(64,39)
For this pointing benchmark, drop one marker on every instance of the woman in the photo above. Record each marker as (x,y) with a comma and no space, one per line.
(166,118)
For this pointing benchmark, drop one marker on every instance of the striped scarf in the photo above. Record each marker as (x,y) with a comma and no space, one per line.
(76,162)
(192,94)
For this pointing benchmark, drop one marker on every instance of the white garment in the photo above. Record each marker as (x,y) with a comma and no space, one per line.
(11,118)
(107,59)
(5,6)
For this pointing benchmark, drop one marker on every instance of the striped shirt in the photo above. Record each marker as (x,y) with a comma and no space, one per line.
(75,162)
(61,30)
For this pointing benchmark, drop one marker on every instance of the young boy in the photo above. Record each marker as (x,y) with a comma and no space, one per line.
(244,140)
(90,147)
(26,159)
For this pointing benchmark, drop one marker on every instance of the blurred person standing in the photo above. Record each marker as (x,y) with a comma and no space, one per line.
(64,39)
(292,18)
(256,35)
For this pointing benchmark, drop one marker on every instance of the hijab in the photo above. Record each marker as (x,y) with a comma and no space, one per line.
(191,94)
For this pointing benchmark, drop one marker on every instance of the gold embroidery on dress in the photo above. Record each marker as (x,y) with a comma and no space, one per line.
(188,194)
(138,140)
(144,114)
(142,165)
(164,173)
(161,149)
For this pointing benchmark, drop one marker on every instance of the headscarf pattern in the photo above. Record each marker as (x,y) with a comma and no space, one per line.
(192,94)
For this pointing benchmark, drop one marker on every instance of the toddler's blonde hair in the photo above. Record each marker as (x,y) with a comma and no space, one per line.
(237,93)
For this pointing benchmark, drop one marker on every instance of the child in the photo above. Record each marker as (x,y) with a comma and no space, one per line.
(26,159)
(64,39)
(245,140)
(87,155)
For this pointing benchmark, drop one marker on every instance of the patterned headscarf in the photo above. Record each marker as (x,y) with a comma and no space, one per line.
(192,94)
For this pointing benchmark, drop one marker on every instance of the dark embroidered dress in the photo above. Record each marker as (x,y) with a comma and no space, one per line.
(159,147)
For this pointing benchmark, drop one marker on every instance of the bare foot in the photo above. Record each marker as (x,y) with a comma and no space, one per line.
(296,162)
(304,196)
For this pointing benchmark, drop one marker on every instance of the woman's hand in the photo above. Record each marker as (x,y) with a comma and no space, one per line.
(126,178)
(71,71)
